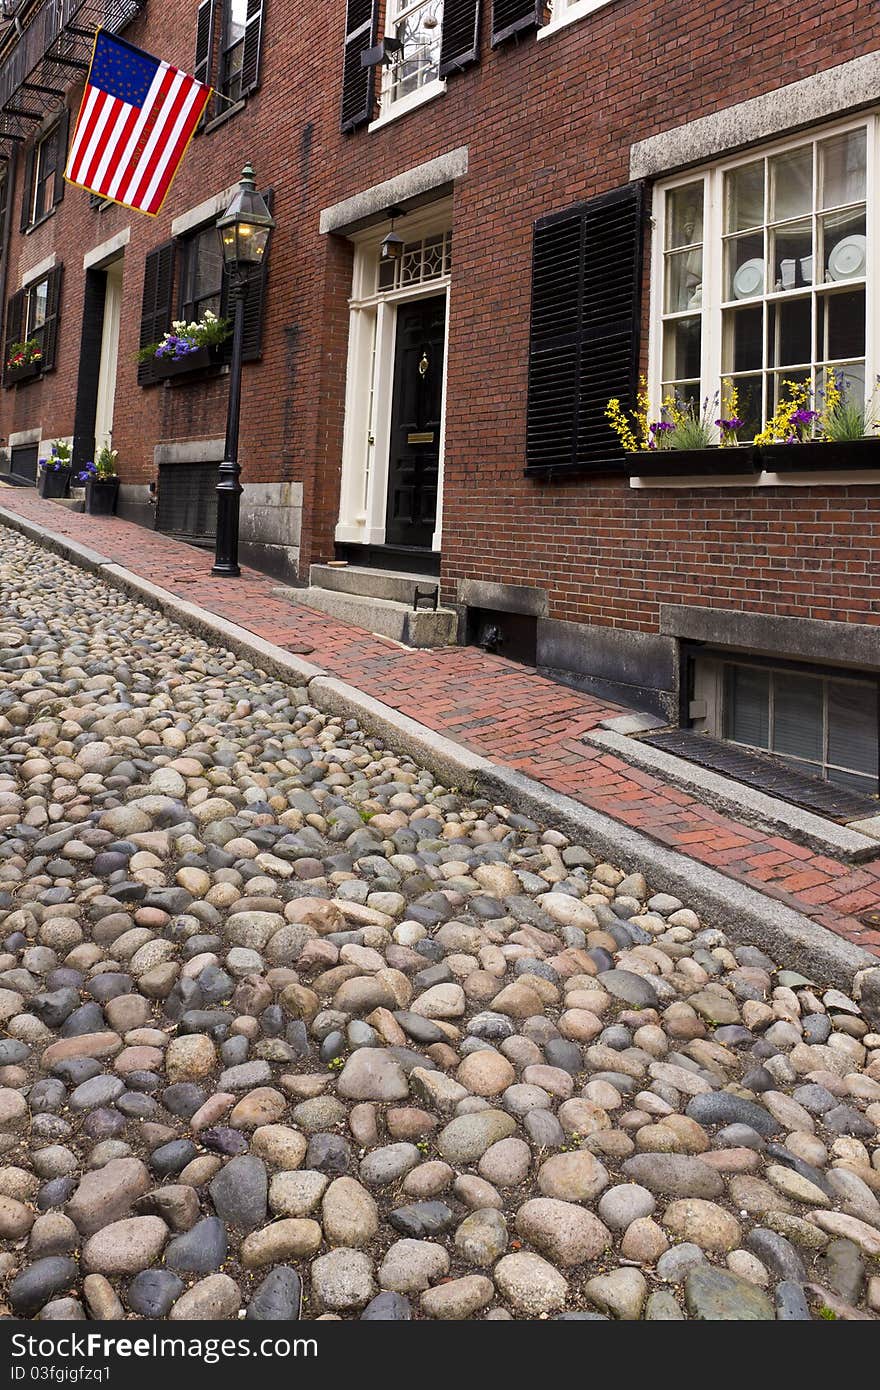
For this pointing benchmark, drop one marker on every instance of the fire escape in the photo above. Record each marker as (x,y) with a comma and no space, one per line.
(45,48)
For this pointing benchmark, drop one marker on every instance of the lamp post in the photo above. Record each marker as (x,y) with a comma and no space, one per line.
(245,230)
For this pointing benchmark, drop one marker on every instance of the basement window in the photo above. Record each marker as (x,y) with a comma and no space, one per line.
(821,725)
(187,501)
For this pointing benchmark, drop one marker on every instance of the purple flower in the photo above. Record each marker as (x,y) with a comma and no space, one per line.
(803,417)
(661,426)
(733,424)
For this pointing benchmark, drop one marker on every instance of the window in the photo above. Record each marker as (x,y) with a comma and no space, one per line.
(417,26)
(229,48)
(763,273)
(562,12)
(821,725)
(202,276)
(421,261)
(232,54)
(36,305)
(32,314)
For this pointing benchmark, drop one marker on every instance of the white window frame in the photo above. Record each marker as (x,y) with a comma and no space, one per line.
(391,107)
(712,175)
(370,381)
(565,12)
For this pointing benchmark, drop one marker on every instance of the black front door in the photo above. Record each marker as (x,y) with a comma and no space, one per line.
(416,409)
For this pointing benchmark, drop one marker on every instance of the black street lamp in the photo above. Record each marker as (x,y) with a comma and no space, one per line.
(245,230)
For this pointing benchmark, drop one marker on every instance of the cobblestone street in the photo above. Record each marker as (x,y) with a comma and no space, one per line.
(287,1022)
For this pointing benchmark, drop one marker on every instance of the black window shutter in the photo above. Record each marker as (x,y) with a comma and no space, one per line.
(49,330)
(156,306)
(584,346)
(252,343)
(361,29)
(14,319)
(5,179)
(460,42)
(27,193)
(554,341)
(511,17)
(204,41)
(253,46)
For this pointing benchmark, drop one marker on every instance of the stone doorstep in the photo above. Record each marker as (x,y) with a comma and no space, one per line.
(853,842)
(397,585)
(384,617)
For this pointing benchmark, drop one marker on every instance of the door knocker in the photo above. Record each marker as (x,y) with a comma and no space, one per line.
(423,365)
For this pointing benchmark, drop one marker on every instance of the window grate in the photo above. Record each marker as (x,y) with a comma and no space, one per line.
(187,502)
(766,774)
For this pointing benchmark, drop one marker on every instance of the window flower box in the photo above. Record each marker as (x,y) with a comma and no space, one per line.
(25,372)
(54,482)
(821,455)
(101,494)
(199,361)
(680,463)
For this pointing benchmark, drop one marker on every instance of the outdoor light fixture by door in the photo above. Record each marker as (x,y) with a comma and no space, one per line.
(392,244)
(245,230)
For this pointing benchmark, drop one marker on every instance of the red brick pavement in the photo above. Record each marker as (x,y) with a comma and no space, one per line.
(499,709)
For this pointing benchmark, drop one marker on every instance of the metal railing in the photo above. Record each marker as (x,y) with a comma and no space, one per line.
(53,49)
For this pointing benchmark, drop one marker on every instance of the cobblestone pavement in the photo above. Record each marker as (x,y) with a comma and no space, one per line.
(502,710)
(285,1021)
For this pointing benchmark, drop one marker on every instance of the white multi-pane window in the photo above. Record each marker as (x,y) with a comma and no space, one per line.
(417,26)
(762,274)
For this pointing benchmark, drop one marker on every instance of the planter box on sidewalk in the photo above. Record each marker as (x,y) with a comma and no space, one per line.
(54,482)
(101,494)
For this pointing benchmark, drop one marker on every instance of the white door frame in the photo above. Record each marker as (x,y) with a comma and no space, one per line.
(370,383)
(109,356)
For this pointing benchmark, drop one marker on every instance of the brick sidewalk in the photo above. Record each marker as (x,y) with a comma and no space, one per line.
(496,708)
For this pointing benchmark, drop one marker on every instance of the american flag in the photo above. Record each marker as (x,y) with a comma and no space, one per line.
(137,117)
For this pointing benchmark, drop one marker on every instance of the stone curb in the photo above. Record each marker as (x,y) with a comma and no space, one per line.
(747,914)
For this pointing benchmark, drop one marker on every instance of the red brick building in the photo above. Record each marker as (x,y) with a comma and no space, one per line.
(583,191)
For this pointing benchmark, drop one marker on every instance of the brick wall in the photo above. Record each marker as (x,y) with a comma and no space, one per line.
(547,124)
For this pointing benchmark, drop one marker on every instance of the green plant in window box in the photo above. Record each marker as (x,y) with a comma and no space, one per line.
(684,439)
(186,347)
(841,434)
(24,359)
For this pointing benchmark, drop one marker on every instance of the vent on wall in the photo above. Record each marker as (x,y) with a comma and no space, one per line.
(187,501)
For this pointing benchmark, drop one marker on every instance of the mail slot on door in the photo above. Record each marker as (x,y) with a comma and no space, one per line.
(426,437)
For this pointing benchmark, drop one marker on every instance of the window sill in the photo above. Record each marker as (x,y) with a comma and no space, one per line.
(409,103)
(217,121)
(570,16)
(45,218)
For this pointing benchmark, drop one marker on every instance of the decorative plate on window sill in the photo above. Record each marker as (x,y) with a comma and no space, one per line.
(674,463)
(206,358)
(27,372)
(820,456)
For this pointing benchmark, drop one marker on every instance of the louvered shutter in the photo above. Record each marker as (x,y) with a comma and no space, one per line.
(460,43)
(5,180)
(613,243)
(14,319)
(156,306)
(586,275)
(252,343)
(554,342)
(511,17)
(27,193)
(204,41)
(361,29)
(63,133)
(253,46)
(49,331)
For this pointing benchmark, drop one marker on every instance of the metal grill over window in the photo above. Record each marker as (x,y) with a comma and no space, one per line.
(187,505)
